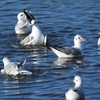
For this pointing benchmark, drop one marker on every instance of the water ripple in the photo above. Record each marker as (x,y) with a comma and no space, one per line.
(51,77)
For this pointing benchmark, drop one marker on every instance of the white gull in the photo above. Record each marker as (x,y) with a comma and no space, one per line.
(74,51)
(36,37)
(10,68)
(22,26)
(76,93)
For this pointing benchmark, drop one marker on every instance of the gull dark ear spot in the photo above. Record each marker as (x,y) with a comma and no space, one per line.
(21,14)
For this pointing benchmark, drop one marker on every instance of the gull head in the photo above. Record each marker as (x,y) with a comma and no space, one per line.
(77,41)
(21,16)
(78,81)
(79,38)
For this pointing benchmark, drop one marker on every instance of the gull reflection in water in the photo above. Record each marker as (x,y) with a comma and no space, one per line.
(35,53)
(76,60)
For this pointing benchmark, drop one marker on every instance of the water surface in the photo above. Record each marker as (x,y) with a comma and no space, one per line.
(61,20)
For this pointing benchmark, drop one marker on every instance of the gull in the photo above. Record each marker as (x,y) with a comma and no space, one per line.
(76,93)
(74,51)
(23,26)
(36,37)
(10,68)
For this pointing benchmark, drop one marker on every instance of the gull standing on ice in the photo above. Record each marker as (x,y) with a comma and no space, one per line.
(69,52)
(10,68)
(22,26)
(36,37)
(76,93)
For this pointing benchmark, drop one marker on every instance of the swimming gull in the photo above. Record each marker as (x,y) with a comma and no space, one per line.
(10,68)
(74,51)
(36,37)
(76,93)
(23,26)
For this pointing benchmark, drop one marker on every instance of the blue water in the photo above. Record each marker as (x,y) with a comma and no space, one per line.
(61,20)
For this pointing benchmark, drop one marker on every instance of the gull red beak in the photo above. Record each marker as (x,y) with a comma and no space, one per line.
(73,81)
(83,39)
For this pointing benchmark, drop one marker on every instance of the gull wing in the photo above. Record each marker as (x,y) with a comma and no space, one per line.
(66,51)
(27,40)
(70,50)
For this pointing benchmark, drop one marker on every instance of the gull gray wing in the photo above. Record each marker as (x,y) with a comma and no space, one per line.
(23,26)
(70,50)
(27,40)
(11,69)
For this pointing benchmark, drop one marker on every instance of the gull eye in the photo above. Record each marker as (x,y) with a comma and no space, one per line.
(21,14)
(76,80)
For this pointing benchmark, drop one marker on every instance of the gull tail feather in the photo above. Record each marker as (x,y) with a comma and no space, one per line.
(29,15)
(58,53)
(21,63)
